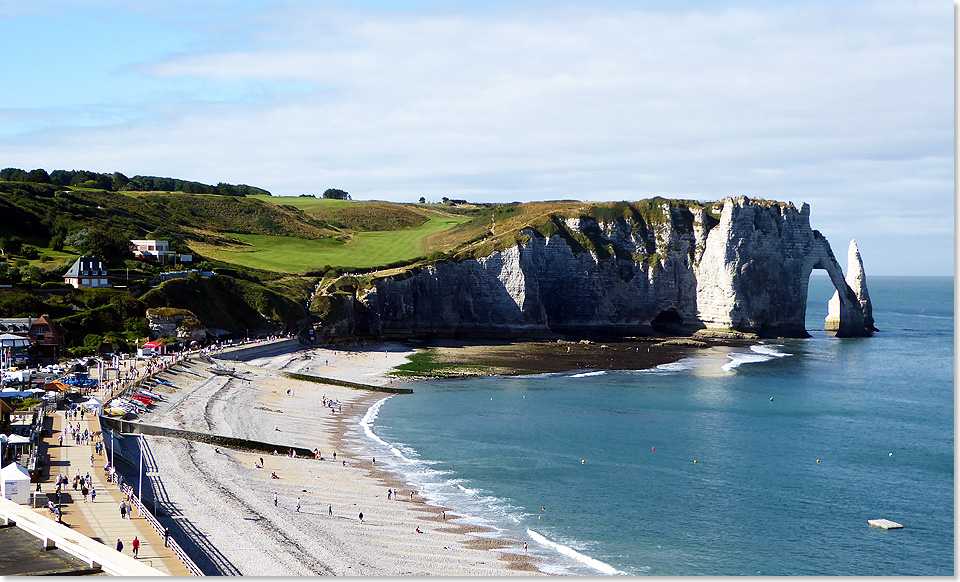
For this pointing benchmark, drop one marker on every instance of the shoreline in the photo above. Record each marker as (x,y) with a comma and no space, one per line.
(258,400)
(223,504)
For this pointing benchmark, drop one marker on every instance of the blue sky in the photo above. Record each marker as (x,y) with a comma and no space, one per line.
(847,106)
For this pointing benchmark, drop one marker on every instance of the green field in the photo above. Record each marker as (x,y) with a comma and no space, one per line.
(363,251)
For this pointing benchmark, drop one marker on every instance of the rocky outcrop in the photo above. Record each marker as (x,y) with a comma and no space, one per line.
(741,265)
(170,322)
(857,280)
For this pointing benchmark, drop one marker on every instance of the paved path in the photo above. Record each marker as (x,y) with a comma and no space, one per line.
(100,520)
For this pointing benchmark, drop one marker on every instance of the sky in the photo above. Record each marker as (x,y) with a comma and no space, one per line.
(846,106)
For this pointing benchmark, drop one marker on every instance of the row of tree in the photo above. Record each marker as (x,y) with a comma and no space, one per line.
(117,182)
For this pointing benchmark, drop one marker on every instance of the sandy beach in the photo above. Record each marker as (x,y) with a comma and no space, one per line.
(224,505)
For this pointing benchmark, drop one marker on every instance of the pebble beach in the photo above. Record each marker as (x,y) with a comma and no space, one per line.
(242,521)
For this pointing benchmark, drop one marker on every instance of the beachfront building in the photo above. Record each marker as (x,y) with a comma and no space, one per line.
(14,351)
(150,349)
(154,250)
(46,340)
(49,340)
(88,272)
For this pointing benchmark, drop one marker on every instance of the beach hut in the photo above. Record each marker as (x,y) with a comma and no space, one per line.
(15,483)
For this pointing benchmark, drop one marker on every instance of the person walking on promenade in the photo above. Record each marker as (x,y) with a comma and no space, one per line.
(93,495)
(123,510)
(166,536)
(136,546)
(119,545)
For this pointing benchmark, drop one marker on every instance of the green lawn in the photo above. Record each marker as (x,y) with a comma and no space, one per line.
(365,250)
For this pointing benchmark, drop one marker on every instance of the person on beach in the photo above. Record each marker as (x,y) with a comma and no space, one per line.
(298,505)
(361,517)
(274,498)
(389,492)
(330,509)
(135,545)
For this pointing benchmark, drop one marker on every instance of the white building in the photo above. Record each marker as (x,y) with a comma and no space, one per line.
(156,250)
(88,272)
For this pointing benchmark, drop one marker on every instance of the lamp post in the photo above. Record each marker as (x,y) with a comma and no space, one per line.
(140,471)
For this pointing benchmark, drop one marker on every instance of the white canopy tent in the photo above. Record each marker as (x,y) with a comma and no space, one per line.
(15,484)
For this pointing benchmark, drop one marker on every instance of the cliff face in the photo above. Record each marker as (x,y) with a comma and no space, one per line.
(746,270)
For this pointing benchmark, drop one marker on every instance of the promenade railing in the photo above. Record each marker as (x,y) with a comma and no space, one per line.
(170,542)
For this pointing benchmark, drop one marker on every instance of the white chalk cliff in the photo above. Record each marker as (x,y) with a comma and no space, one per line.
(742,265)
(857,280)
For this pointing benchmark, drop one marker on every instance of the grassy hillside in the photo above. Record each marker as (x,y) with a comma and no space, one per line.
(228,303)
(360,250)
(268,251)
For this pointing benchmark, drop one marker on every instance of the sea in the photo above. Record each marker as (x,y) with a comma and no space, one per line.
(763,460)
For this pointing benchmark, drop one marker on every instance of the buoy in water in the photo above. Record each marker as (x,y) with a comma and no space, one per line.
(653,449)
(771,399)
(583,461)
(890,455)
(818,461)
(694,461)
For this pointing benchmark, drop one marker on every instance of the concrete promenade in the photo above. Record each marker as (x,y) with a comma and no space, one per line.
(100,520)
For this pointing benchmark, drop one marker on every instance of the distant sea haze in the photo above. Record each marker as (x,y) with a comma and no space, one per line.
(766,460)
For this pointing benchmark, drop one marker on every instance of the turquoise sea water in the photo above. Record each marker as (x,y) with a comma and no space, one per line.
(609,456)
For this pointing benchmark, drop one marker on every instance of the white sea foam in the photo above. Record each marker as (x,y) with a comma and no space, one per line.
(758,353)
(768,350)
(597,565)
(587,374)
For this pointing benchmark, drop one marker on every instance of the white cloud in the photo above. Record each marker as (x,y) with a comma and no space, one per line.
(845,106)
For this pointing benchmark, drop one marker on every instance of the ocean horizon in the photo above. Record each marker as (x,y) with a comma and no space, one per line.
(762,460)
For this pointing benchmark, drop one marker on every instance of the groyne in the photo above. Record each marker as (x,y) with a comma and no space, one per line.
(125,427)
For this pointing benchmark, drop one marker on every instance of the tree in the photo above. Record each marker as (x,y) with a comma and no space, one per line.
(109,246)
(13,175)
(423,200)
(11,245)
(118,181)
(336,194)
(38,175)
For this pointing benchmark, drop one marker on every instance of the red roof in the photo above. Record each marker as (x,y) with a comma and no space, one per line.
(152,345)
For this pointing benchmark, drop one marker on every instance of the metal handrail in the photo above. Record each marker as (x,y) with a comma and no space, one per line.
(172,543)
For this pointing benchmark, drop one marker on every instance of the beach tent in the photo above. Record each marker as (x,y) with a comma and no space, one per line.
(92,405)
(15,483)
(13,393)
(16,439)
